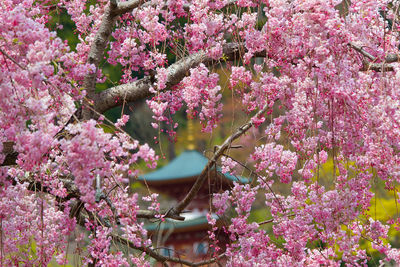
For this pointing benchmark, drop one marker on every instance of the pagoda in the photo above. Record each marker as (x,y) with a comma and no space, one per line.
(188,239)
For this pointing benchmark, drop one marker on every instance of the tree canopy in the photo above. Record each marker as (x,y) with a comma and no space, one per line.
(320,78)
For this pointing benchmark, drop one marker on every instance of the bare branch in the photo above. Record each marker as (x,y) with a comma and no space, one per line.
(115,96)
(124,7)
(140,89)
(211,163)
(390,58)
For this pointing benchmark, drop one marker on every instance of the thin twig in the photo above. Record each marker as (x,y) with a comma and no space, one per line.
(258,176)
(272,220)
(13,60)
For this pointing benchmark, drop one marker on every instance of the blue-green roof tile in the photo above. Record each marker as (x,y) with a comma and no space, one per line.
(187,165)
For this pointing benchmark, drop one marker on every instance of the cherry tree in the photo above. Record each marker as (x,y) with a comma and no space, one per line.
(330,67)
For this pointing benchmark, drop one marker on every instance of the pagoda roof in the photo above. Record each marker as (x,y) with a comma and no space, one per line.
(186,166)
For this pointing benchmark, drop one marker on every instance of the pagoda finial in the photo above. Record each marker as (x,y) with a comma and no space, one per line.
(190,138)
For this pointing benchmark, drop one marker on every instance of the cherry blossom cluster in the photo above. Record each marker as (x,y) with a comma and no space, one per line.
(200,89)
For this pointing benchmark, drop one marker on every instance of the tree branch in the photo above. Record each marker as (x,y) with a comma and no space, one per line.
(98,46)
(362,51)
(391,58)
(100,43)
(124,7)
(378,67)
(137,90)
